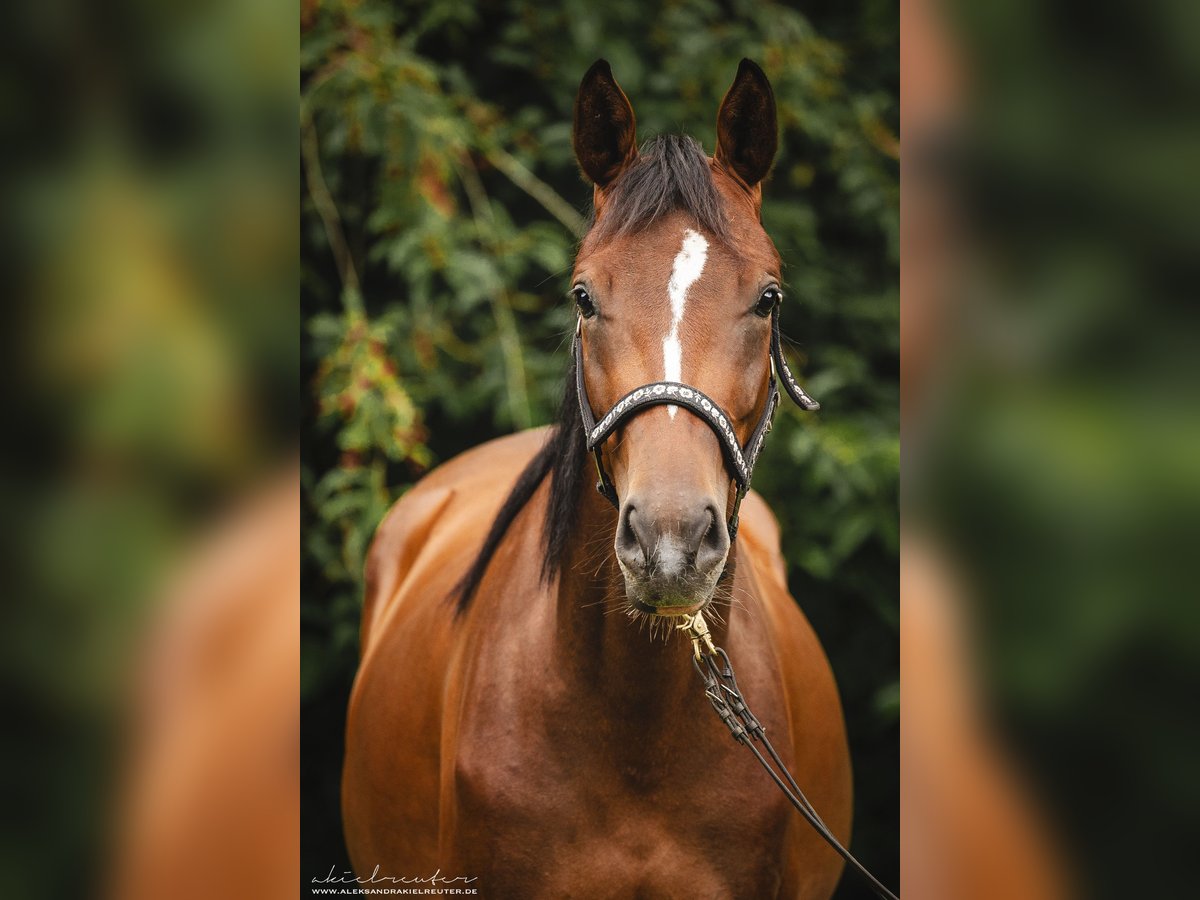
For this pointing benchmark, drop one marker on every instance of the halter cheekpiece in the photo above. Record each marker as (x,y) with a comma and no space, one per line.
(738,458)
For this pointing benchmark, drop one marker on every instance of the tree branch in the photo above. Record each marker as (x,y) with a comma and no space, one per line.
(310,149)
(506,323)
(550,200)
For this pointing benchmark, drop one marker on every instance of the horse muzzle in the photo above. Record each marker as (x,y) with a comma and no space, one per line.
(671,561)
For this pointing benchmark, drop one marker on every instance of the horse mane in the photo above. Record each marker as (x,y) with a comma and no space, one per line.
(562,458)
(670,174)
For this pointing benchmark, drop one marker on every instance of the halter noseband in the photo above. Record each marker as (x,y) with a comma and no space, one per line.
(739,459)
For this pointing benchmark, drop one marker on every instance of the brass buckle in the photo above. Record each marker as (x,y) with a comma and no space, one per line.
(697,629)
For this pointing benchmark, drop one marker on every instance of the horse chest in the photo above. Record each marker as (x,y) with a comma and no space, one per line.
(585,805)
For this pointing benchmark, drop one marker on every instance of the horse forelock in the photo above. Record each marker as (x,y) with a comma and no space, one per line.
(670,174)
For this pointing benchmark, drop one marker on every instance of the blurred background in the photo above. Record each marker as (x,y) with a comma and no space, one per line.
(149,490)
(1051,485)
(440,213)
(1051,499)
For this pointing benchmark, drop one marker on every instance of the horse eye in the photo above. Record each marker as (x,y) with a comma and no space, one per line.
(583,300)
(767,302)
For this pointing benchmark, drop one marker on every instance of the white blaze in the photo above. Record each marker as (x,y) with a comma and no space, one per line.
(689,265)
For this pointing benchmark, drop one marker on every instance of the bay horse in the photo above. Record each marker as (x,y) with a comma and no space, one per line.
(514,720)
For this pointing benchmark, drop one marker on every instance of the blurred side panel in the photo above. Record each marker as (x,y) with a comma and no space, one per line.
(1052,445)
(149,228)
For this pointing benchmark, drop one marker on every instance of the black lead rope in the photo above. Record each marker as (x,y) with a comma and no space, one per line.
(721,689)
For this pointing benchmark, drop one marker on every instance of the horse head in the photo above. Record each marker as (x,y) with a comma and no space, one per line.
(677,286)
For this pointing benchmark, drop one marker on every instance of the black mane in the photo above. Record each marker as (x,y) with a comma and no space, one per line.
(670,174)
(562,458)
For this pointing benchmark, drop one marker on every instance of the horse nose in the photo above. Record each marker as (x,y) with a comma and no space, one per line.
(671,547)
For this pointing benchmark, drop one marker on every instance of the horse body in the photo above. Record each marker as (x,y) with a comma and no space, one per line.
(510,722)
(545,746)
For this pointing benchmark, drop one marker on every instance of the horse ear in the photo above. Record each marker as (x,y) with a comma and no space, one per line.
(747,133)
(604,133)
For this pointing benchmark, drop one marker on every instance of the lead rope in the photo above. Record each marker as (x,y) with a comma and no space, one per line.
(721,689)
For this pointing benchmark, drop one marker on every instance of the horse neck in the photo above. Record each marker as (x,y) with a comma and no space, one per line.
(597,644)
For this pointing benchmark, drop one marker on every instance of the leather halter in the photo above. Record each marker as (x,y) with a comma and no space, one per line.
(739,459)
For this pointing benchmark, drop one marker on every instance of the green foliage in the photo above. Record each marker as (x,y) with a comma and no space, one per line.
(438,231)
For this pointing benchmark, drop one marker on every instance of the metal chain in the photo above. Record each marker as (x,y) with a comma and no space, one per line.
(721,688)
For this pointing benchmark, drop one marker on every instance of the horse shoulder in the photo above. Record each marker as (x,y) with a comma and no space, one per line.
(410,647)
(471,483)
(818,735)
(799,648)
(760,530)
(808,676)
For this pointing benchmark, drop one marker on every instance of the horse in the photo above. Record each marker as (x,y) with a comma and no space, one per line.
(525,720)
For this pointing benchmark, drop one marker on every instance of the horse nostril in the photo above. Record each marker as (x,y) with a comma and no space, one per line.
(696,530)
(713,541)
(633,547)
